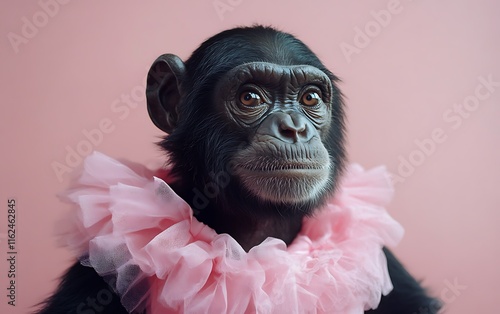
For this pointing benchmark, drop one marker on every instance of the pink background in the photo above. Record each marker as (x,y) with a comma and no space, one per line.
(400,86)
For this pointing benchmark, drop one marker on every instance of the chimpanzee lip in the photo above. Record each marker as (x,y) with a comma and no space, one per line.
(276,167)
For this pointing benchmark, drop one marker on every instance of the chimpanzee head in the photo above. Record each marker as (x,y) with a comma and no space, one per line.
(254,116)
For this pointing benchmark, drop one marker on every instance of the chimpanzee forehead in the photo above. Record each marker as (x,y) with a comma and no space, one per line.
(271,73)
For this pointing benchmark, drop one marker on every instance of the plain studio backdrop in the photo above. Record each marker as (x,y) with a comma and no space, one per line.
(422,85)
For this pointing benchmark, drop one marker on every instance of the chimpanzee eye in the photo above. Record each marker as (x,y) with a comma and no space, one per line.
(310,99)
(250,99)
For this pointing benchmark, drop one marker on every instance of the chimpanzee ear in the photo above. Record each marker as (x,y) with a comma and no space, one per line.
(163,91)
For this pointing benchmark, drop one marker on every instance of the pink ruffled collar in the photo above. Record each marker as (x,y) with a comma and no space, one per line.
(139,235)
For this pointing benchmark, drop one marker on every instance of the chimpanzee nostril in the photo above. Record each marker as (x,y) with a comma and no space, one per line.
(290,127)
(288,133)
(294,127)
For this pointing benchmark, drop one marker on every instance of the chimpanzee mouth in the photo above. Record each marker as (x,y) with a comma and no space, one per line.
(285,182)
(283,167)
(271,159)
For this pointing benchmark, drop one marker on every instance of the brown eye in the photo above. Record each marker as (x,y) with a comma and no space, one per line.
(250,99)
(310,99)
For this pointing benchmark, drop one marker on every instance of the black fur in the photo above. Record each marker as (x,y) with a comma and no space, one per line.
(80,292)
(202,143)
(408,296)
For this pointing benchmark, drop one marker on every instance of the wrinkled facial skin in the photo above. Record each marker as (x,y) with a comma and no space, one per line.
(287,112)
(254,112)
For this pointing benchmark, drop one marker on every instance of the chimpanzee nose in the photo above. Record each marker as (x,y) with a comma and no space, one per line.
(289,127)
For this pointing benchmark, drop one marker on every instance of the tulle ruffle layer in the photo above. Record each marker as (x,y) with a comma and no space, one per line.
(142,238)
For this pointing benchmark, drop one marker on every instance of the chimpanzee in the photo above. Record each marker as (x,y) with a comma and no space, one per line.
(256,148)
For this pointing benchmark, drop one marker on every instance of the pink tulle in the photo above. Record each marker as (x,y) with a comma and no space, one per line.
(142,238)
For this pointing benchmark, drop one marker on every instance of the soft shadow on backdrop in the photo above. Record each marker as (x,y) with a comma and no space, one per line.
(422,85)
